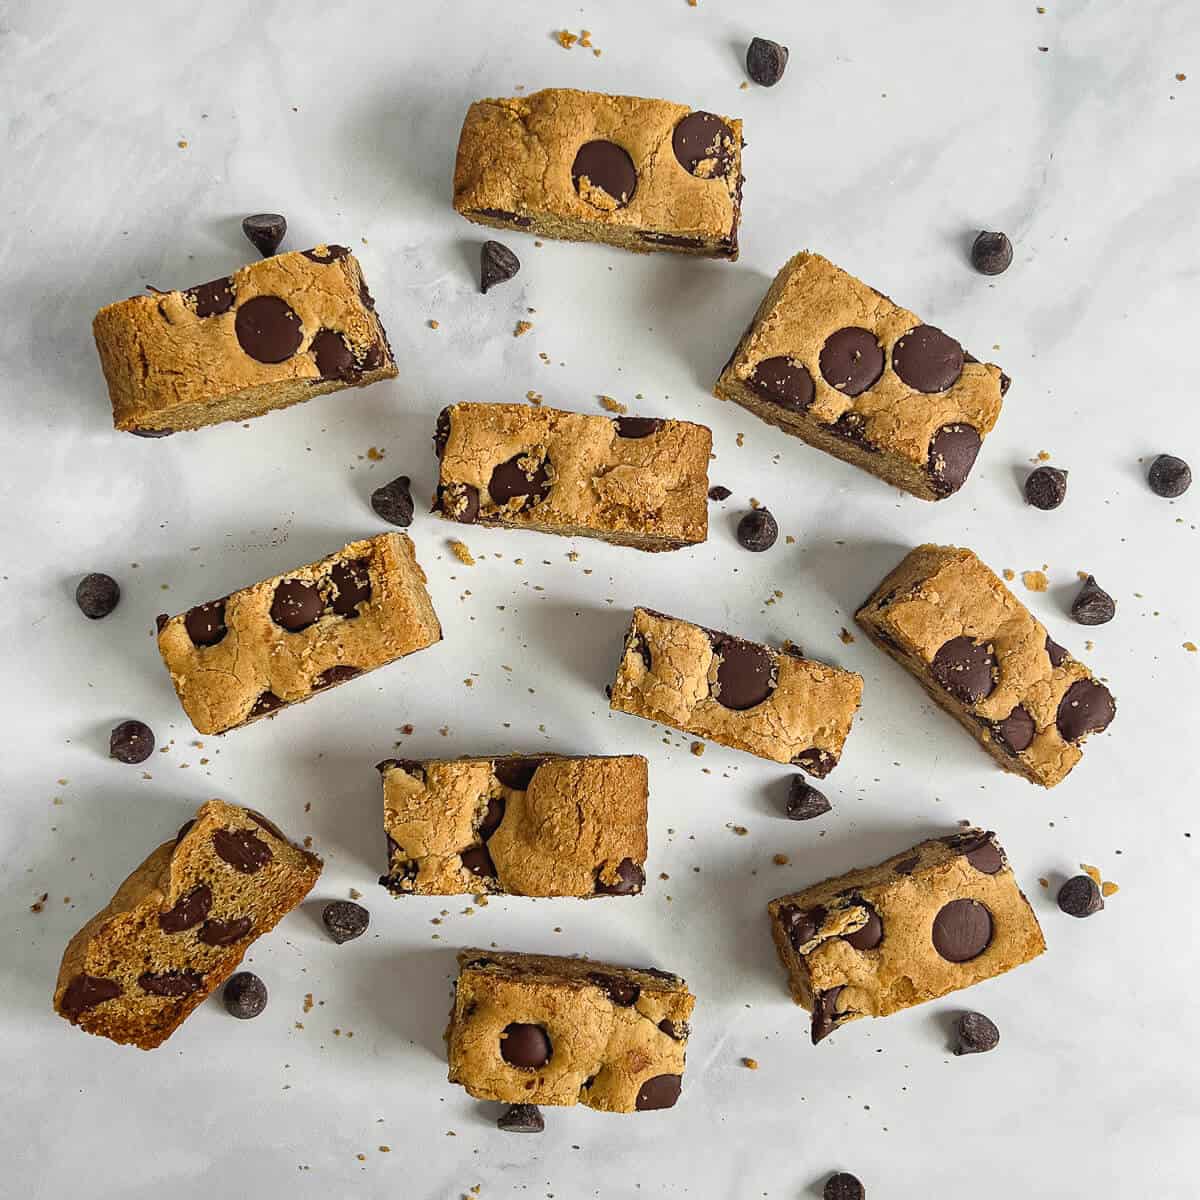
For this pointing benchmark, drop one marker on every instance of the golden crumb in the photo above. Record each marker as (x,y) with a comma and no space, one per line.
(1190,647)
(611,405)
(740,830)
(38,905)
(566,39)
(741,439)
(182,144)
(433,325)
(781,860)
(1092,872)
(1043,456)
(693,3)
(534,397)
(1041,9)
(846,636)
(355,894)
(523,327)
(596,51)
(461,552)
(1035,581)
(751,1064)
(1008,574)
(1180,76)
(361,1157)
(375,454)
(1089,645)
(789,539)
(444,731)
(585,38)
(469,682)
(385,1149)
(1108,888)
(743,85)
(308,843)
(697,748)
(1044,882)
(308,1001)
(572,556)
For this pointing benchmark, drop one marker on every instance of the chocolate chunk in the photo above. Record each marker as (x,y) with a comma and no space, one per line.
(637,427)
(86,991)
(297,604)
(766,61)
(815,761)
(170,983)
(211,299)
(851,361)
(607,166)
(393,502)
(630,880)
(962,930)
(641,647)
(225,933)
(952,453)
(205,624)
(906,866)
(867,936)
(353,583)
(1080,896)
(679,1032)
(1046,488)
(671,239)
(1093,605)
(745,673)
(151,433)
(519,477)
(718,492)
(333,356)
(245,995)
(459,502)
(516,773)
(620,992)
(492,817)
(1055,653)
(97,595)
(703,144)
(499,214)
(991,253)
(242,850)
(131,742)
(268,702)
(824,1013)
(843,1186)
(525,1046)
(977,1034)
(373,358)
(325,254)
(927,359)
(1015,733)
(1087,707)
(521,1118)
(1169,476)
(332,676)
(757,531)
(802,926)
(478,861)
(984,855)
(804,802)
(783,381)
(265,231)
(964,668)
(344,920)
(268,330)
(660,1091)
(497,264)
(184,830)
(852,427)
(187,911)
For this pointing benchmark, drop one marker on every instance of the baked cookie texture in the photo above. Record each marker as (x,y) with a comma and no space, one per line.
(585,166)
(775,704)
(935,918)
(286,638)
(271,334)
(179,925)
(634,481)
(540,1029)
(542,825)
(839,365)
(983,656)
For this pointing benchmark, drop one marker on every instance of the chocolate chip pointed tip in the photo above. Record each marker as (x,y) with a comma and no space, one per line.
(97,595)
(766,61)
(521,1118)
(393,502)
(497,264)
(976,1033)
(991,253)
(1080,896)
(344,920)
(265,231)
(804,801)
(1093,605)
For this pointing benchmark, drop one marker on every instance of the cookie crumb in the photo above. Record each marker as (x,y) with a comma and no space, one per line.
(781,860)
(565,39)
(741,439)
(523,327)
(613,406)
(1190,647)
(1092,872)
(846,636)
(1008,574)
(1035,581)
(38,905)
(461,552)
(182,144)
(355,894)
(1180,76)
(751,1064)
(1108,888)
(434,325)
(1044,882)
(534,397)
(308,1001)
(697,748)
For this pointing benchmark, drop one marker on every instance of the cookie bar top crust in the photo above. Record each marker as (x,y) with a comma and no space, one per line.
(280,641)
(645,174)
(543,825)
(984,657)
(540,1029)
(776,705)
(637,481)
(833,360)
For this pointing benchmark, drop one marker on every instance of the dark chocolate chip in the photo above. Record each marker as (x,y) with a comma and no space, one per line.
(852,427)
(516,773)
(977,1034)
(521,1118)
(212,299)
(641,647)
(268,702)
(393,502)
(1093,605)
(265,231)
(637,427)
(245,995)
(478,861)
(606,166)
(151,433)
(703,144)
(757,531)
(242,849)
(927,359)
(962,930)
(161,622)
(170,983)
(804,802)
(719,492)
(187,911)
(1055,653)
(783,381)
(525,1046)
(86,991)
(492,817)
(97,595)
(952,453)
(843,1186)
(184,830)
(325,254)
(268,330)
(801,925)
(672,239)
(984,855)
(991,253)
(815,761)
(497,264)
(906,866)
(824,1013)
(622,993)
(441,432)
(659,1091)
(867,936)
(516,477)
(964,668)
(344,920)
(373,358)
(1080,896)
(745,673)
(1046,488)
(225,933)
(296,605)
(679,1031)
(630,880)
(459,502)
(1005,384)
(1087,707)
(332,676)
(364,294)
(333,356)
(352,581)
(500,214)
(205,624)
(1016,731)
(131,742)
(766,61)
(1169,476)
(851,360)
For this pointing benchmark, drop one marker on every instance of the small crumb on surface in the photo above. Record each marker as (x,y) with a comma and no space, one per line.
(697,748)
(522,328)
(534,397)
(434,325)
(375,454)
(1190,647)
(741,439)
(846,636)
(39,904)
(565,39)
(1044,882)
(612,406)
(461,552)
(1035,581)
(1008,574)
(751,1064)
(781,860)
(1108,888)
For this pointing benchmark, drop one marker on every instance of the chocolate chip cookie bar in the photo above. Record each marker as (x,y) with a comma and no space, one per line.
(930,920)
(271,334)
(179,925)
(634,481)
(588,167)
(775,704)
(539,1029)
(546,825)
(839,365)
(983,656)
(283,640)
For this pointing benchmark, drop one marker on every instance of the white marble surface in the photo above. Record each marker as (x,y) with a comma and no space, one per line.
(897,132)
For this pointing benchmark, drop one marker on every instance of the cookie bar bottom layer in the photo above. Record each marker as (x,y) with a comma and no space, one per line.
(646,542)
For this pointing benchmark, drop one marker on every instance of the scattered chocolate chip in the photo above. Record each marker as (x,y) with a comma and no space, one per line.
(268,330)
(188,910)
(265,231)
(745,673)
(1080,896)
(804,802)
(660,1091)
(525,1046)
(499,214)
(344,920)
(977,1034)
(766,61)
(607,166)
(703,145)
(211,299)
(962,930)
(927,359)
(352,581)
(620,992)
(516,772)
(492,817)
(1046,488)
(952,453)
(1169,476)
(333,356)
(325,254)
(991,253)
(1055,653)
(245,995)
(783,381)
(757,531)
(497,264)
(630,880)
(97,595)
(965,669)
(521,1118)
(224,933)
(86,991)
(296,605)
(637,427)
(1087,707)
(802,925)
(516,478)
(851,361)
(242,849)
(824,1013)
(719,492)
(815,761)
(478,861)
(131,742)
(268,702)
(332,676)
(869,935)
(205,624)
(393,502)
(170,983)
(844,1186)
(1093,605)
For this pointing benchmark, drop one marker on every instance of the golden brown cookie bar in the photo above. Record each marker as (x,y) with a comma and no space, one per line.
(542,825)
(775,704)
(634,481)
(981,654)
(282,640)
(179,925)
(539,1029)
(941,916)
(836,363)
(588,167)
(271,334)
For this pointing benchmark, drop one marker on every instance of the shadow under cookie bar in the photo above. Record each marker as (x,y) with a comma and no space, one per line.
(270,335)
(983,657)
(842,367)
(633,481)
(542,1029)
(282,640)
(774,704)
(538,825)
(932,919)
(180,924)
(637,173)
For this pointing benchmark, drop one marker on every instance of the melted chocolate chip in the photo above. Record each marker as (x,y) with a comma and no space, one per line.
(622,993)
(225,933)
(170,983)
(1087,707)
(783,381)
(212,299)
(242,850)
(927,359)
(984,855)
(205,624)
(824,1013)
(867,936)
(86,991)
(519,477)
(459,502)
(746,673)
(515,772)
(630,880)
(851,360)
(678,1031)
(492,817)
(816,762)
(703,145)
(333,356)
(268,702)
(637,427)
(802,925)
(607,166)
(1016,732)
(964,668)
(852,427)
(187,911)
(268,330)
(296,604)
(525,1046)
(1055,653)
(352,581)
(265,231)
(952,453)
(962,930)
(478,861)
(660,1091)
(332,676)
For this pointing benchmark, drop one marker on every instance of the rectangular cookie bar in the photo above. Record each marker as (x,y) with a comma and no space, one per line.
(930,920)
(179,925)
(280,641)
(540,1029)
(983,656)
(634,481)
(838,364)
(544,825)
(273,333)
(588,167)
(775,704)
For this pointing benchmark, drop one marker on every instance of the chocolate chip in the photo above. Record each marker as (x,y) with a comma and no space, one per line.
(824,1013)
(991,253)
(952,453)
(1169,476)
(325,254)
(843,1186)
(205,624)
(268,330)
(515,772)
(184,830)
(783,381)
(478,861)
(630,880)
(521,1118)
(867,936)
(622,993)
(242,850)
(757,531)
(187,911)
(962,930)
(497,264)
(906,866)
(441,432)
(851,361)
(333,356)
(459,502)
(660,1091)
(964,669)
(607,166)
(679,1032)
(718,492)
(927,359)
(745,673)
(151,433)
(1080,896)
(1055,653)
(492,817)
(637,427)
(766,61)
(703,144)
(1087,707)
(373,358)
(977,1034)
(332,676)
(499,214)
(131,742)
(86,991)
(525,1046)
(225,933)
(211,299)
(1093,605)
(852,427)
(518,477)
(344,920)
(1015,733)
(984,855)
(804,802)
(296,605)
(1046,488)
(97,595)
(245,995)
(268,702)
(265,231)
(802,925)
(815,761)
(641,647)
(393,502)
(671,239)
(170,983)
(352,581)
